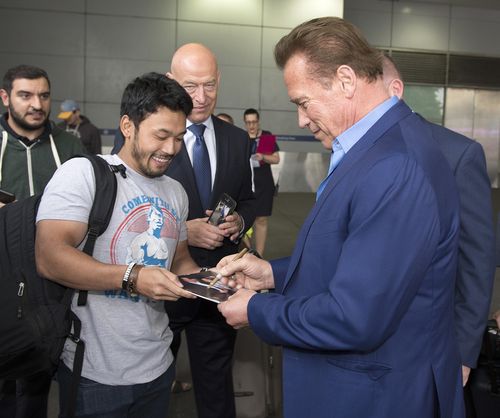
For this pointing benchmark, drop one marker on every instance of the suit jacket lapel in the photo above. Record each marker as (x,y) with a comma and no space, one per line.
(391,117)
(182,170)
(223,156)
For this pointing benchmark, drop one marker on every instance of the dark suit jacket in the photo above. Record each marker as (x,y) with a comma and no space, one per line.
(233,176)
(364,306)
(476,256)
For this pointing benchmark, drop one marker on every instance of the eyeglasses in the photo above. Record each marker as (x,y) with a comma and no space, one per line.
(251,122)
(209,87)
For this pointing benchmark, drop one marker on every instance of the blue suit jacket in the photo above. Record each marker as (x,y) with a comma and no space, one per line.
(476,255)
(364,306)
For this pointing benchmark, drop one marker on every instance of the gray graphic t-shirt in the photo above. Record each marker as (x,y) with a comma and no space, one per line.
(126,338)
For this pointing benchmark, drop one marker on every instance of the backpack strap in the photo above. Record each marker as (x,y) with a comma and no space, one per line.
(77,365)
(104,199)
(103,205)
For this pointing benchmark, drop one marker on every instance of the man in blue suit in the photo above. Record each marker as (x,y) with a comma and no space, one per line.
(364,306)
(476,256)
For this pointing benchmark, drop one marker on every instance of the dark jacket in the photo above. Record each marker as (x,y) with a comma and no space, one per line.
(88,134)
(24,158)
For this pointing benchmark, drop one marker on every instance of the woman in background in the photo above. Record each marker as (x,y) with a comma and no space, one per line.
(263,177)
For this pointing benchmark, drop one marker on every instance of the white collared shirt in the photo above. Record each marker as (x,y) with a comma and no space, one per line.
(209,135)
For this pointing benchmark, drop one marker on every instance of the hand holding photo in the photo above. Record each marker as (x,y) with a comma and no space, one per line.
(199,284)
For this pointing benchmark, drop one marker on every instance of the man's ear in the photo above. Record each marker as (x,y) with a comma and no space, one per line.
(348,80)
(5,97)
(396,88)
(169,75)
(127,127)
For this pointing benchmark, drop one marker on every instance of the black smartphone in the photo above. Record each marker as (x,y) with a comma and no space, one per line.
(6,197)
(225,206)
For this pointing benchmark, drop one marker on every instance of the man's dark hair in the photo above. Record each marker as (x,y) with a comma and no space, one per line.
(327,43)
(251,111)
(146,94)
(29,72)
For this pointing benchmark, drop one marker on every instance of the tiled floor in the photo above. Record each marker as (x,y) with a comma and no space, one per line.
(288,215)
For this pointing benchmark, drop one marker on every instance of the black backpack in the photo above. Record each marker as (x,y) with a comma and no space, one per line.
(35,312)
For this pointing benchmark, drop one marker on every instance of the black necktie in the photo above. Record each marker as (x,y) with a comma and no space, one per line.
(201,165)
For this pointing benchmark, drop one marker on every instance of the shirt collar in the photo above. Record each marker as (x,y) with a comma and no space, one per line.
(208,123)
(351,136)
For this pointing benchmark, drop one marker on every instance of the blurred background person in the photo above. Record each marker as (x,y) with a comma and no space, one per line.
(226,117)
(80,126)
(263,177)
(32,146)
(246,240)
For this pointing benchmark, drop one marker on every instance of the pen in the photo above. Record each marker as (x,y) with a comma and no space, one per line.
(236,257)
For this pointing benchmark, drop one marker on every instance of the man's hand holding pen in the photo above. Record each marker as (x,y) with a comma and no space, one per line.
(249,274)
(236,257)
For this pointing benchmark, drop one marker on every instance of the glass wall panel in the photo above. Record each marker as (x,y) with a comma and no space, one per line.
(427,101)
(486,128)
(474,113)
(459,114)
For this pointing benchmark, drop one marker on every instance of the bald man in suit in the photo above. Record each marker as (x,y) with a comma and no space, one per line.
(210,340)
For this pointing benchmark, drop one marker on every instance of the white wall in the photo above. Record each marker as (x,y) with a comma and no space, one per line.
(421,25)
(92,48)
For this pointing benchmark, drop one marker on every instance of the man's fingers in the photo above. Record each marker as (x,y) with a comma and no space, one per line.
(231,268)
(174,294)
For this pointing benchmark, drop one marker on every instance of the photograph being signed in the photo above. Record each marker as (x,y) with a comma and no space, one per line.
(199,284)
